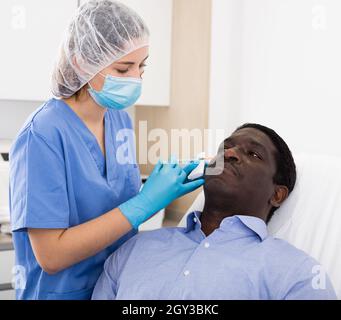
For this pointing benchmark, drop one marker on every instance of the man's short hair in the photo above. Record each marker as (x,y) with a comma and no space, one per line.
(285,164)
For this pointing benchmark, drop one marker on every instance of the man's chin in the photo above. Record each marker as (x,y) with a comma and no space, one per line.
(219,183)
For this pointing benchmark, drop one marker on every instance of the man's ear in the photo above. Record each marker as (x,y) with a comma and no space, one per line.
(280,194)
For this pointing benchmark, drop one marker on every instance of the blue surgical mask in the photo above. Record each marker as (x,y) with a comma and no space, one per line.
(117,93)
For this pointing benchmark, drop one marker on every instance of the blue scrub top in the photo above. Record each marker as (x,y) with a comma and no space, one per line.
(59,178)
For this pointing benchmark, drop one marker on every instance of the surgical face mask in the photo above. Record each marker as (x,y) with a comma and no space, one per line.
(117,93)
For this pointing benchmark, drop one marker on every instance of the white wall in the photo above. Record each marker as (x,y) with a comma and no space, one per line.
(224,91)
(282,69)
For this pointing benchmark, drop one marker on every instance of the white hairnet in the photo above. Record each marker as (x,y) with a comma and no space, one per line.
(101,33)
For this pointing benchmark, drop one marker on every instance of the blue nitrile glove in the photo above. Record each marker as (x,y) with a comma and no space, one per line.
(166,183)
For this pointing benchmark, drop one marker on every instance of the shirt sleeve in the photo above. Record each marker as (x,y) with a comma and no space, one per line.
(38,186)
(311,283)
(106,286)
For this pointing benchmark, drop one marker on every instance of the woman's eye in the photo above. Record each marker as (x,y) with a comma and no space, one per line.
(122,71)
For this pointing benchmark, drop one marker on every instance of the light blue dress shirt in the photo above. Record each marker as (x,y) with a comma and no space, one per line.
(59,178)
(237,261)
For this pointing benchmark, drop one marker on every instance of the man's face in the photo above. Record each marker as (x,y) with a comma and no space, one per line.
(246,183)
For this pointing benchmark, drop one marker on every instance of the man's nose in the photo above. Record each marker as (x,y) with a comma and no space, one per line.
(232,155)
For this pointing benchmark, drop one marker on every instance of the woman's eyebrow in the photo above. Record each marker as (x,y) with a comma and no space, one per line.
(126,62)
(131,62)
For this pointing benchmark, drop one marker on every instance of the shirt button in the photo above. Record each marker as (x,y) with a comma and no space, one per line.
(186,273)
(206,245)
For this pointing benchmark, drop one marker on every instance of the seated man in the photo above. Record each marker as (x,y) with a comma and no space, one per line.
(225,251)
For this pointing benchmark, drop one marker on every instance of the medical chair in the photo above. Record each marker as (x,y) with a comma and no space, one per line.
(310,219)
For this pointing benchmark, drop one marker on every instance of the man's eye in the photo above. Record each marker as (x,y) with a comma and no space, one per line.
(255,155)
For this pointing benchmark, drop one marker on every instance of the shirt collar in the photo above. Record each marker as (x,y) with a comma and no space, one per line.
(255,224)
(193,221)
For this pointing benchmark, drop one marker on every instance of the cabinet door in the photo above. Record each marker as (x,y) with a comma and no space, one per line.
(7,295)
(30,33)
(6,266)
(158,16)
(6,275)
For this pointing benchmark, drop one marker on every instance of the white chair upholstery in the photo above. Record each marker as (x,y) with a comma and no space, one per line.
(311,217)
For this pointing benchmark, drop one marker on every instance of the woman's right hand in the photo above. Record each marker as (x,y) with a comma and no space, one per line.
(166,183)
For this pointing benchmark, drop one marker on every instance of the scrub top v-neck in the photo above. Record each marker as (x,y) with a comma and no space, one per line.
(60,178)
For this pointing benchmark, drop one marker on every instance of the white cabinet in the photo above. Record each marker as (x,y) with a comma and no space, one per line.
(157,77)
(6,266)
(30,33)
(7,295)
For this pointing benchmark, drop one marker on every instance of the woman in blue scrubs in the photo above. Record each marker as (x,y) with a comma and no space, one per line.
(73,200)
